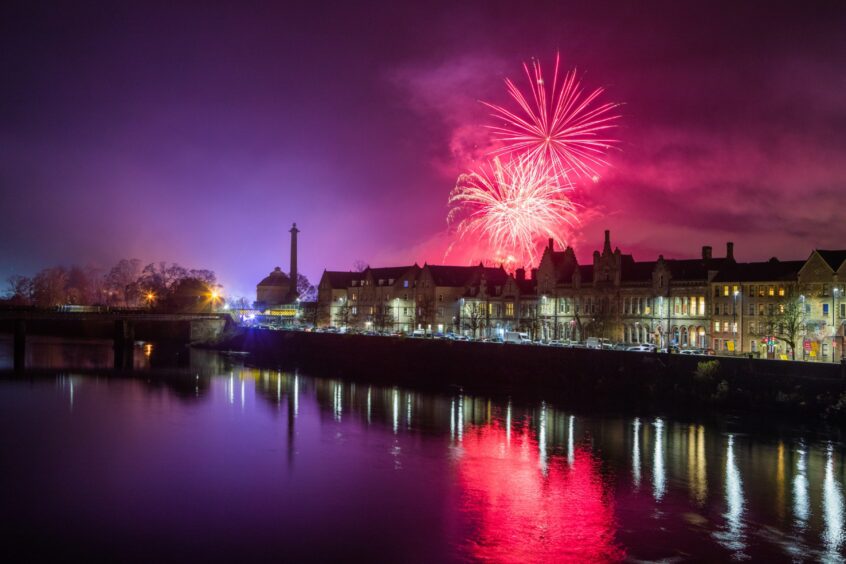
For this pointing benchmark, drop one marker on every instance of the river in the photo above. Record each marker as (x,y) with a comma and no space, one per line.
(199,456)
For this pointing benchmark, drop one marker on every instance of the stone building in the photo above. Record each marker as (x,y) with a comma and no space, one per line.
(279,289)
(702,302)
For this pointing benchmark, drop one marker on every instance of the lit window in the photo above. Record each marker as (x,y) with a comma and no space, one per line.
(825,309)
(701,305)
(716,326)
(405,283)
(509,309)
(781,291)
(725,290)
(771,291)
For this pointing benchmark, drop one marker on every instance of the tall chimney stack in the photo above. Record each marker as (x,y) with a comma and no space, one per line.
(293,272)
(730,250)
(706,252)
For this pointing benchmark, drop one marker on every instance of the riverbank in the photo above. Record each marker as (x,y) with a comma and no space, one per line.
(615,380)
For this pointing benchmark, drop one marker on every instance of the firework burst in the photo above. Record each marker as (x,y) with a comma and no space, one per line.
(560,126)
(514,206)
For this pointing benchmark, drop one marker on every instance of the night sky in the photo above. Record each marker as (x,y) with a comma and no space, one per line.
(197,134)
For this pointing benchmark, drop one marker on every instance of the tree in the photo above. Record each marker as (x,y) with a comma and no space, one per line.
(473,315)
(531,321)
(20,289)
(344,313)
(48,287)
(786,323)
(77,287)
(122,282)
(305,289)
(424,309)
(383,318)
(359,265)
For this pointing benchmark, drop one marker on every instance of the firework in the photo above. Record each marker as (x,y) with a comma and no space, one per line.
(560,126)
(514,206)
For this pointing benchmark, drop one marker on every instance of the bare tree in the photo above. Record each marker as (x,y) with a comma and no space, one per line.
(305,289)
(383,318)
(423,309)
(122,282)
(343,314)
(20,289)
(786,323)
(48,287)
(359,265)
(473,316)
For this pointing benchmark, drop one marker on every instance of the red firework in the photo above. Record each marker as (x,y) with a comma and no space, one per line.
(561,126)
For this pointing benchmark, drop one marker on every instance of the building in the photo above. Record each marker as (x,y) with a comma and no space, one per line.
(772,308)
(276,294)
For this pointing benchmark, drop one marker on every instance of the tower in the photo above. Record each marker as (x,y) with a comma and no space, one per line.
(293,272)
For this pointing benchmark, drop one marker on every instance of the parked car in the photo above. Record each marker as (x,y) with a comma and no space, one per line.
(517,338)
(418,333)
(692,351)
(555,343)
(621,347)
(597,343)
(645,347)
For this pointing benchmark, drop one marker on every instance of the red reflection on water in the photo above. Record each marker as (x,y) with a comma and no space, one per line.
(523,515)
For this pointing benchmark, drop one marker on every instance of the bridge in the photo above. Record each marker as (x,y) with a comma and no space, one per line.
(122,327)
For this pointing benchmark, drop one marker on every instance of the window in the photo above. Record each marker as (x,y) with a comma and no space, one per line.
(405,311)
(440,312)
(825,310)
(405,283)
(701,305)
(391,281)
(509,309)
(354,296)
(716,291)
(716,326)
(354,310)
(761,290)
(370,310)
(354,282)
(761,309)
(725,290)
(842,310)
(734,290)
(440,297)
(825,289)
(751,291)
(781,291)
(752,309)
(771,291)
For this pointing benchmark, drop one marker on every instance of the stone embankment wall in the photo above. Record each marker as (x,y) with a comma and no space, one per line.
(601,379)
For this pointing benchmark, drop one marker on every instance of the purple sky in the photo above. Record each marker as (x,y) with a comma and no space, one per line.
(198,134)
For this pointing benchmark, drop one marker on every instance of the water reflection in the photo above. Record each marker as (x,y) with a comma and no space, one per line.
(732,537)
(522,513)
(832,511)
(658,478)
(507,480)
(636,454)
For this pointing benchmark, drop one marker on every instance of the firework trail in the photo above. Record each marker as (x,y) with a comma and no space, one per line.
(514,206)
(561,126)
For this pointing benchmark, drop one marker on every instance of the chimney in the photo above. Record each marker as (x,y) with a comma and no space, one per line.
(551,245)
(730,250)
(706,252)
(520,274)
(534,274)
(606,248)
(293,272)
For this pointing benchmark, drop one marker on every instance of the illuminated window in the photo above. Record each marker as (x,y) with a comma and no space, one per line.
(761,291)
(509,309)
(771,291)
(405,283)
(734,289)
(781,291)
(701,305)
(716,326)
(825,309)
(355,310)
(725,290)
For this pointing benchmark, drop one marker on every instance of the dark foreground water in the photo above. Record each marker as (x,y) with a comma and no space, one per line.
(224,462)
